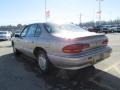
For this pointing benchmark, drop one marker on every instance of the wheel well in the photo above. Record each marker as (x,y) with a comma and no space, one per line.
(38,49)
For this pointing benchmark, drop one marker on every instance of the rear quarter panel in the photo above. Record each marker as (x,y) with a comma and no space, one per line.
(52,45)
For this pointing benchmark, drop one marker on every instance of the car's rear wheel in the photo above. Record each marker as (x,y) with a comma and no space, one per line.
(15,51)
(43,62)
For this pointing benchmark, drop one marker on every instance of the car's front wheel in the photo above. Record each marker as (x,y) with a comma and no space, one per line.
(43,62)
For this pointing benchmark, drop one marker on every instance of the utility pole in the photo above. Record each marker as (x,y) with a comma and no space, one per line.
(45,11)
(99,10)
(80,19)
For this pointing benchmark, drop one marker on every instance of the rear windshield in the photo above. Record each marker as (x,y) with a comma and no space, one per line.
(3,32)
(54,28)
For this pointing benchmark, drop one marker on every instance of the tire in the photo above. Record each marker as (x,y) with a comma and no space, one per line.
(15,51)
(44,63)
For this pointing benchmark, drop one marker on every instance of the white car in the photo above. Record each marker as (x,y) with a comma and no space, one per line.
(115,29)
(5,35)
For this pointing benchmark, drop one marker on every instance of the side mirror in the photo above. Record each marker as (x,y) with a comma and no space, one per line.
(17,35)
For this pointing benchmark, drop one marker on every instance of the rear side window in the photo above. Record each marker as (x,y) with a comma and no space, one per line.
(48,28)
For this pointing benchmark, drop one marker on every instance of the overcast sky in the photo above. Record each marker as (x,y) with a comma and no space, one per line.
(61,11)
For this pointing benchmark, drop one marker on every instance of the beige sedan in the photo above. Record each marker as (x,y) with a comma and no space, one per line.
(63,46)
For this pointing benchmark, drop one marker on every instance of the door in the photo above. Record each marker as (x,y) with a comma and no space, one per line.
(19,42)
(29,40)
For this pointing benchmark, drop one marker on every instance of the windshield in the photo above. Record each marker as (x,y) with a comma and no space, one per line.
(2,32)
(17,31)
(54,28)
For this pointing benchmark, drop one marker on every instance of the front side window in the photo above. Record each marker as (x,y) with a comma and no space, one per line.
(24,32)
(31,31)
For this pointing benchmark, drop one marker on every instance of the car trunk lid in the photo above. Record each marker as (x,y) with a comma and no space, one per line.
(93,39)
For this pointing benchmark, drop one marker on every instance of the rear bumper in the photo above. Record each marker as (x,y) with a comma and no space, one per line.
(82,60)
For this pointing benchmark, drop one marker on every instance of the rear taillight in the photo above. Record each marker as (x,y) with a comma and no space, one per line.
(105,42)
(75,48)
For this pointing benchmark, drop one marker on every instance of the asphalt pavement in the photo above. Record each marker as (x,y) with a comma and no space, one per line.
(22,73)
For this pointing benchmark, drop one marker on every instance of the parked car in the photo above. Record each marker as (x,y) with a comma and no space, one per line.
(106,28)
(118,29)
(5,35)
(94,29)
(63,46)
(17,32)
(115,29)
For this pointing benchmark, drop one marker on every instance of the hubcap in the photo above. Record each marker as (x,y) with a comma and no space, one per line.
(42,62)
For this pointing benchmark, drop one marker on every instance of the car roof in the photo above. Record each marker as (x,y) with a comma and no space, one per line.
(40,23)
(34,23)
